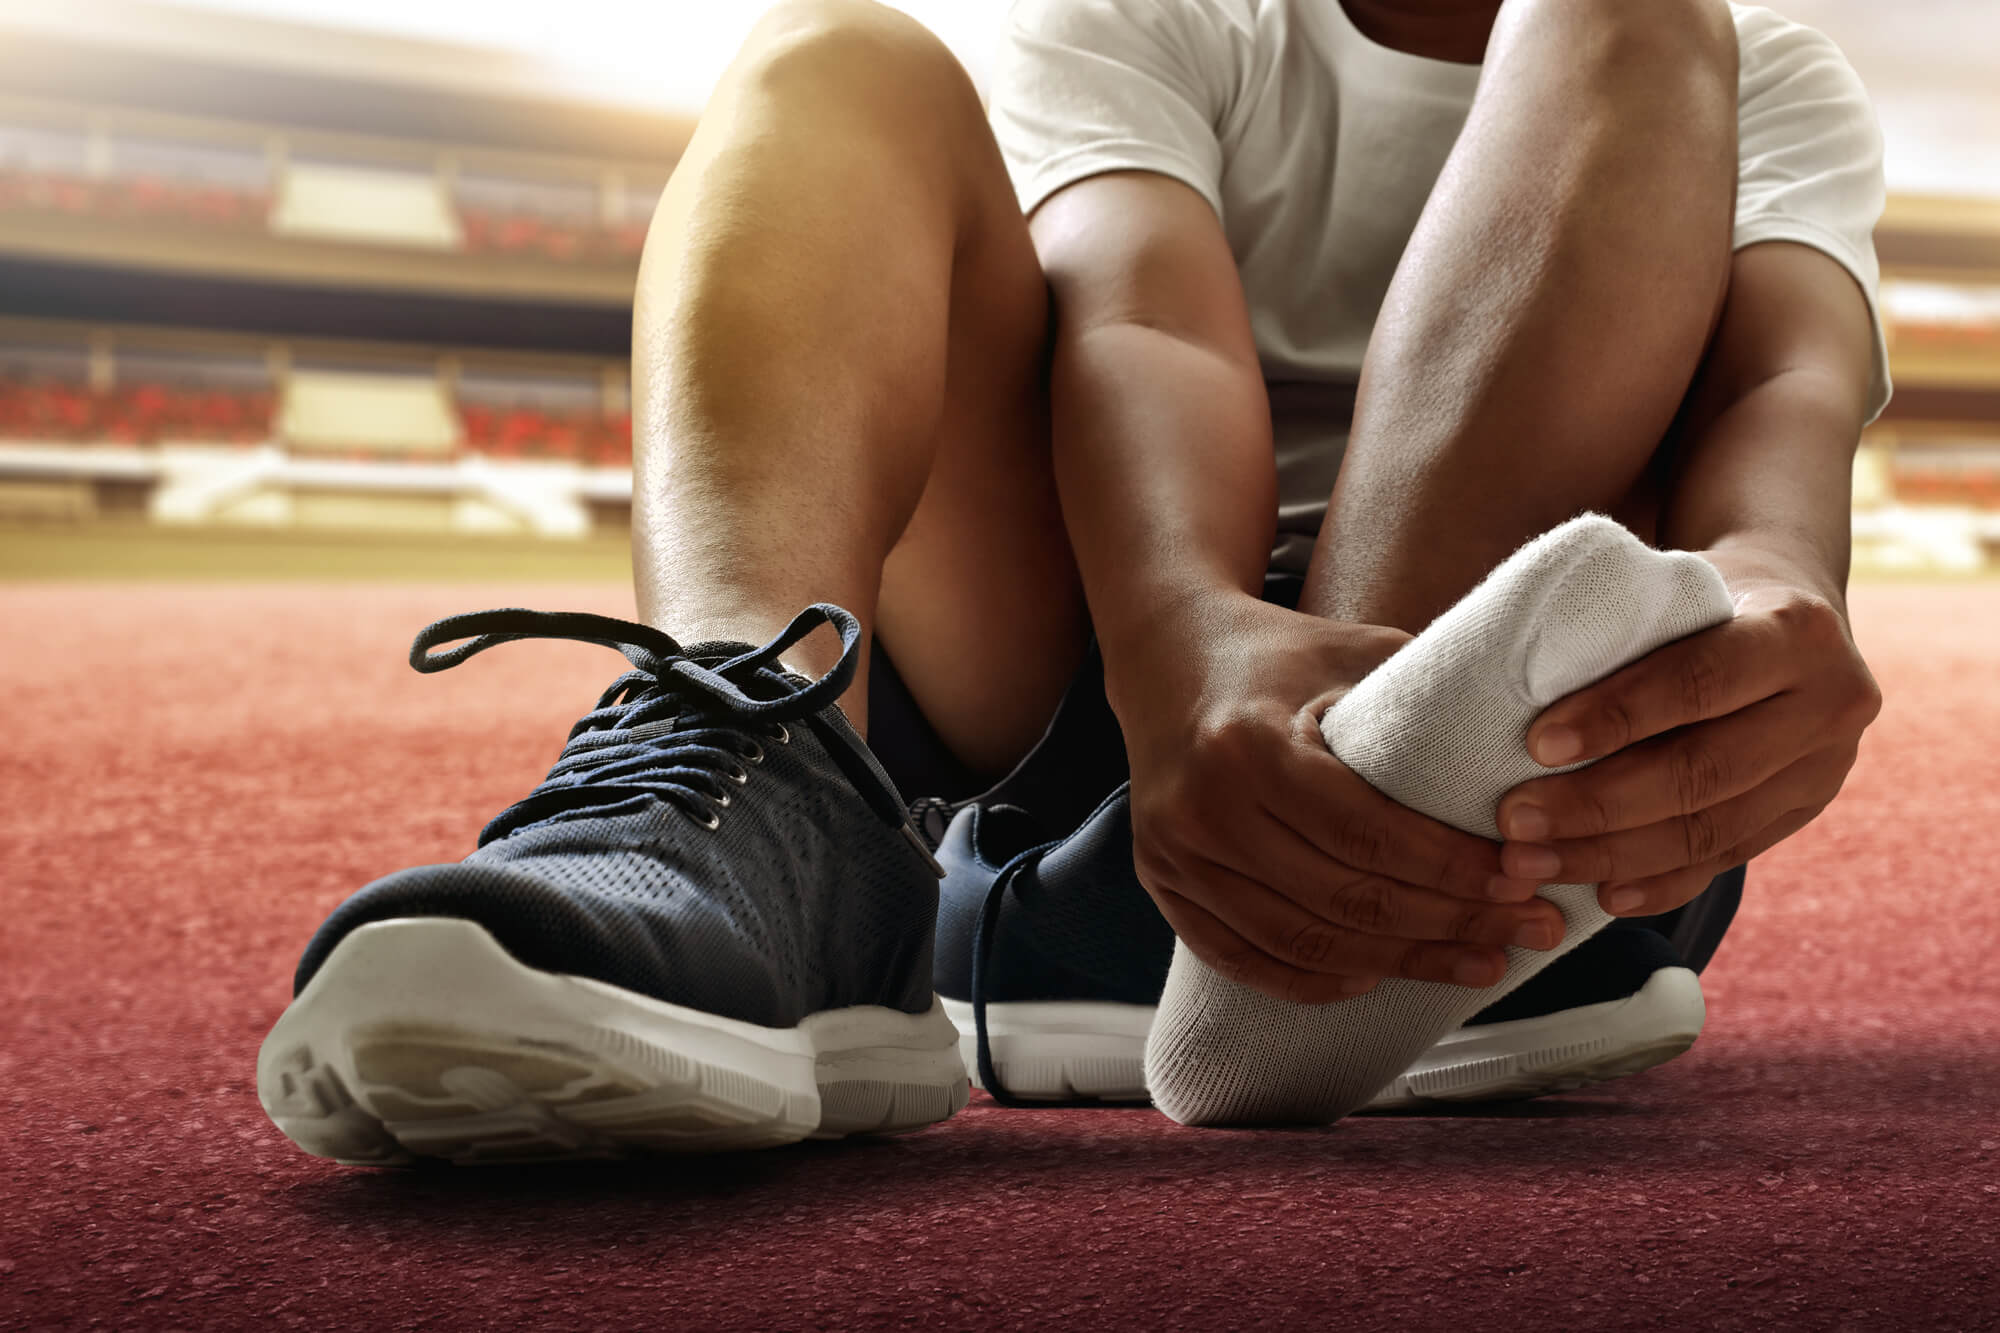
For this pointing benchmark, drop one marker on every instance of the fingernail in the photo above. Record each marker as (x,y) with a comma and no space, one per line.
(1529,823)
(1529,862)
(1624,900)
(1502,889)
(1557,745)
(1536,935)
(1472,972)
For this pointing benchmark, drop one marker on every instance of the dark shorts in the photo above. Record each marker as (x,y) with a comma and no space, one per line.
(1080,760)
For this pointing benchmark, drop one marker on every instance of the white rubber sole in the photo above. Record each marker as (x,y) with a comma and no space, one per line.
(1062,1051)
(1059,1050)
(422,1037)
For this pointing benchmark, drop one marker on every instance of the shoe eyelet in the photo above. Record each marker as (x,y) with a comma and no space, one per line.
(722,801)
(755,755)
(713,822)
(739,776)
(782,735)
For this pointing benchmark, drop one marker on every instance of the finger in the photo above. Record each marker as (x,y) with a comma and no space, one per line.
(1242,962)
(1272,853)
(1663,893)
(1705,675)
(1676,774)
(1288,933)
(1674,844)
(1352,823)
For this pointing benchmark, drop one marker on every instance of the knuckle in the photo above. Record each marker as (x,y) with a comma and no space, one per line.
(1294,988)
(1864,702)
(1472,924)
(1700,776)
(1367,904)
(1812,618)
(1240,965)
(1615,723)
(1224,742)
(1469,864)
(1701,681)
(1358,841)
(1421,962)
(1589,863)
(1312,946)
(1703,837)
(1589,809)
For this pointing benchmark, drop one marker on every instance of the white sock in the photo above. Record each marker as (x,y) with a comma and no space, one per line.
(1440,727)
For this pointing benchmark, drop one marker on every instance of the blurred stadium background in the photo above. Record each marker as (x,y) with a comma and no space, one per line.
(298,286)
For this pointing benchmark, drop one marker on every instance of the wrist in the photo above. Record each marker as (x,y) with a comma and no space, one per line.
(1758,562)
(1158,638)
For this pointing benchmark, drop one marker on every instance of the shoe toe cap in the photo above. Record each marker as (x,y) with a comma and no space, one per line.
(693,957)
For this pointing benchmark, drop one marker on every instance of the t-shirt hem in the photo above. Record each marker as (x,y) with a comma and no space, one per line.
(1095,159)
(1759,230)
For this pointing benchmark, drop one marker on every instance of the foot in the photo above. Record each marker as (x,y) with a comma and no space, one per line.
(1436,727)
(710,927)
(1075,958)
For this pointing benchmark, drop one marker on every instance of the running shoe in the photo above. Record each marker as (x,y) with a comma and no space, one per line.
(711,927)
(1051,959)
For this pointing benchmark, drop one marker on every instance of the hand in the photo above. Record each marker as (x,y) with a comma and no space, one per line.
(1279,866)
(1721,745)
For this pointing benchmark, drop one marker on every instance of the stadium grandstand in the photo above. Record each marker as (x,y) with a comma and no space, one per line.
(389,289)
(257,273)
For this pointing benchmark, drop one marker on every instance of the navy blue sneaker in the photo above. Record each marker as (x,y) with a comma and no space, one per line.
(710,927)
(1051,959)
(1620,1002)
(1050,954)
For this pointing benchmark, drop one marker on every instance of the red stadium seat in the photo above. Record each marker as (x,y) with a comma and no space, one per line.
(136,414)
(144,197)
(531,433)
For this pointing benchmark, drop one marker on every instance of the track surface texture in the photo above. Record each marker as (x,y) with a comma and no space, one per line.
(196,773)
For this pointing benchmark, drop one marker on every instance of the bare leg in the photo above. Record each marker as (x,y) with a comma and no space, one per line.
(839,379)
(1550,311)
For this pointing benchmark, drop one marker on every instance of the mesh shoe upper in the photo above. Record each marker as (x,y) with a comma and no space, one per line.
(714,835)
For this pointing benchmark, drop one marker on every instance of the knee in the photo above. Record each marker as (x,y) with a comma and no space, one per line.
(1690,38)
(864,53)
(1636,46)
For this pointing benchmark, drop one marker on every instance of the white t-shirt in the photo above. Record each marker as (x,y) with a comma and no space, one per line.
(1318,147)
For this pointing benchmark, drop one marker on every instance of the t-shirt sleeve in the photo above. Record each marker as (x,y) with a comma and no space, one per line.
(1810,159)
(1082,87)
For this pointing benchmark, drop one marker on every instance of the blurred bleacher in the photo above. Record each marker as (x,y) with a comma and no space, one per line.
(190,427)
(256,273)
(393,290)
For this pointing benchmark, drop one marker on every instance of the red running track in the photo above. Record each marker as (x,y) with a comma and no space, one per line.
(195,774)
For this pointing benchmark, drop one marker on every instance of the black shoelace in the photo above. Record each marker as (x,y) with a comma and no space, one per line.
(983,933)
(672,728)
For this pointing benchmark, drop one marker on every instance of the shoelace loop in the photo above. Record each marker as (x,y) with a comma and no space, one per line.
(671,728)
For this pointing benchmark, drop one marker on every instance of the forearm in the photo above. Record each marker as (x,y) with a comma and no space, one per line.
(1765,488)
(1164,466)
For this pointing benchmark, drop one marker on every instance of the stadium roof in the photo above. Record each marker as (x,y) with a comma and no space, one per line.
(258,69)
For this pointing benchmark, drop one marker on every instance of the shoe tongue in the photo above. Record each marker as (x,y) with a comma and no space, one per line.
(716,651)
(713,653)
